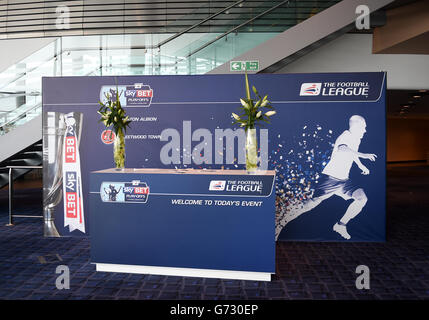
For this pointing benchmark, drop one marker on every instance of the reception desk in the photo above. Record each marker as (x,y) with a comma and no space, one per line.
(203,223)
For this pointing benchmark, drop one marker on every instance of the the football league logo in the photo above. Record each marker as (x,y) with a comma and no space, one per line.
(310,89)
(216,185)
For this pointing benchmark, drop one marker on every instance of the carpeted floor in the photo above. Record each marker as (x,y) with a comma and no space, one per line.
(399,268)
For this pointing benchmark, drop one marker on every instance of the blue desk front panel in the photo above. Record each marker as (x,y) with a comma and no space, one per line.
(233,232)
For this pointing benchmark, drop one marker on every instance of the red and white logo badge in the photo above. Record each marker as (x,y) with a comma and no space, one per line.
(216,185)
(108,136)
(310,89)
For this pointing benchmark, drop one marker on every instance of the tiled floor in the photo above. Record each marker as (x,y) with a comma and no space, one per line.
(399,267)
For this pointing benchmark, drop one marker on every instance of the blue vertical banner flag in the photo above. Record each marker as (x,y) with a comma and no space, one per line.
(326,142)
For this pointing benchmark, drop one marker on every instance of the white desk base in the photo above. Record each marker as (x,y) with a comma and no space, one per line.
(184,272)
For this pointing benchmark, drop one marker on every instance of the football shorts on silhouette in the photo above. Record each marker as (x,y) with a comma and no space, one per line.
(328,185)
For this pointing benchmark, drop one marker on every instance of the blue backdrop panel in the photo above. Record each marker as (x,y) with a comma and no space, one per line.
(224,235)
(313,110)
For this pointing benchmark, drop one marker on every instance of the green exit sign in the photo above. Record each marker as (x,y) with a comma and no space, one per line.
(252,65)
(244,65)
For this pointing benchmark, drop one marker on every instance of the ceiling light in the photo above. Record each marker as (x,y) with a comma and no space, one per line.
(417,96)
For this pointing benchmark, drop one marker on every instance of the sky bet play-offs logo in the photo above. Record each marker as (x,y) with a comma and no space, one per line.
(339,88)
(136,95)
(120,192)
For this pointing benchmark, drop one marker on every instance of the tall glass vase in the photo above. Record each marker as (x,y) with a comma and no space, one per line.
(251,150)
(119,150)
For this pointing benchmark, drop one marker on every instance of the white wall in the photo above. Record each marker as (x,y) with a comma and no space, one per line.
(13,51)
(353,53)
